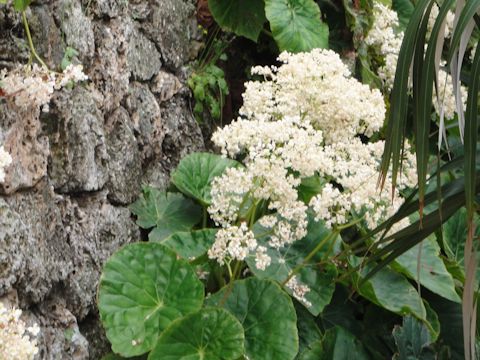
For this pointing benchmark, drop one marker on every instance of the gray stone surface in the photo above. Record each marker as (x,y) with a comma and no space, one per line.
(63,208)
(125,163)
(78,158)
(60,337)
(147,120)
(76,27)
(183,134)
(46,35)
(169,27)
(142,57)
(21,135)
(165,86)
(110,71)
(109,8)
(14,237)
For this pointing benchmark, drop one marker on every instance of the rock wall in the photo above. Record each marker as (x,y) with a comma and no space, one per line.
(76,168)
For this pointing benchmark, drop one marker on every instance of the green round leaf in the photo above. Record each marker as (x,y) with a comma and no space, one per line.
(296,24)
(319,280)
(209,334)
(166,212)
(195,173)
(191,244)
(143,288)
(243,17)
(267,315)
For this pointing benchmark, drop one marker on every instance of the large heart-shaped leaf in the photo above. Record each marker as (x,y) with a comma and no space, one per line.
(296,25)
(392,291)
(167,212)
(243,17)
(209,334)
(194,174)
(191,244)
(433,274)
(143,288)
(267,315)
(320,280)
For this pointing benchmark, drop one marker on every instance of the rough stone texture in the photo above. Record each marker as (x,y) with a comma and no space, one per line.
(172,30)
(13,48)
(125,165)
(20,133)
(182,131)
(14,237)
(60,337)
(147,120)
(165,86)
(110,8)
(139,49)
(46,34)
(75,169)
(110,70)
(74,115)
(76,27)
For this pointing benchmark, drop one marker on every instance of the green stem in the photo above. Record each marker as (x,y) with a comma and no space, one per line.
(30,42)
(233,275)
(252,216)
(351,223)
(236,271)
(230,273)
(309,257)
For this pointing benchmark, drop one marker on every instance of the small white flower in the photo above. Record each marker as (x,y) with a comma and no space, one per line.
(299,290)
(15,343)
(262,260)
(5,160)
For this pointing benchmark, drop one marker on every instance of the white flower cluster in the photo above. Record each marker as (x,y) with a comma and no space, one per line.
(5,160)
(287,135)
(318,88)
(299,290)
(232,243)
(33,86)
(16,340)
(354,167)
(386,41)
(449,19)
